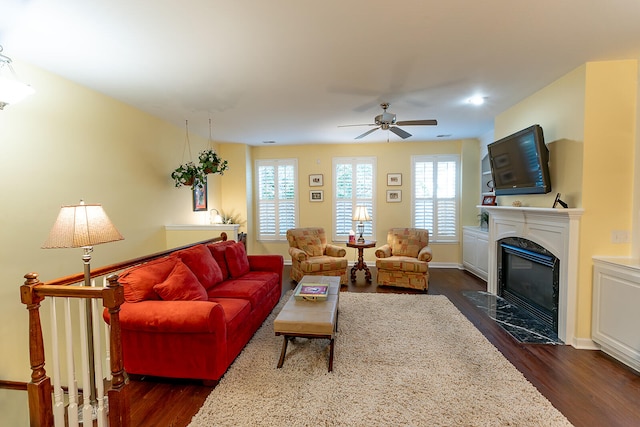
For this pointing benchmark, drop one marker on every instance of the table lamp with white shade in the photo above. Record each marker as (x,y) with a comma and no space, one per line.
(361,214)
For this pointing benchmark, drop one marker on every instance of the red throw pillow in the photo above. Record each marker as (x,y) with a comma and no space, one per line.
(182,284)
(138,281)
(200,261)
(237,260)
(217,250)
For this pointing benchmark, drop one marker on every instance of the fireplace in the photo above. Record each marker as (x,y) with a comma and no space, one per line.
(555,230)
(528,277)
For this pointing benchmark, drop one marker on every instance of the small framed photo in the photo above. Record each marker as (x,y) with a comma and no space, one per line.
(316,180)
(489,200)
(200,198)
(394,179)
(394,196)
(316,196)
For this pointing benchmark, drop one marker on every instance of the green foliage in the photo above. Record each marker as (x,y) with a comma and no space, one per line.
(194,176)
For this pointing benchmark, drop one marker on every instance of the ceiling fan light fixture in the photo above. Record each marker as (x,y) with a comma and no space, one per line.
(12,90)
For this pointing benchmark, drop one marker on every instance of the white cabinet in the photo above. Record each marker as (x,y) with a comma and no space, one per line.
(180,235)
(616,308)
(475,251)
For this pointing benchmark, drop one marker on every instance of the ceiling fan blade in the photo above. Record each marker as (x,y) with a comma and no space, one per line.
(417,123)
(366,133)
(363,124)
(401,133)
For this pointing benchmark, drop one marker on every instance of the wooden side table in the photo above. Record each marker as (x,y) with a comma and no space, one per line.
(361,265)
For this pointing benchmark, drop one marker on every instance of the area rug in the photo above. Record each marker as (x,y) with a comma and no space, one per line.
(400,360)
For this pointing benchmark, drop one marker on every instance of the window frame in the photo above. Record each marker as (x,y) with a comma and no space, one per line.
(370,226)
(276,237)
(435,235)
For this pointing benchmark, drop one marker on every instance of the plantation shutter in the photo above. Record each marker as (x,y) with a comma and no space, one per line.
(277,200)
(354,186)
(435,196)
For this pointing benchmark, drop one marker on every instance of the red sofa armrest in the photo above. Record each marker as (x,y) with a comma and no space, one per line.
(171,316)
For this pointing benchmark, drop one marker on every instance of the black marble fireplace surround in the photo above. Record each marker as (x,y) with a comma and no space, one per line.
(528,277)
(528,284)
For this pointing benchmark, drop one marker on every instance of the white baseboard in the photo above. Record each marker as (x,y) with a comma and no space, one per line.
(584,344)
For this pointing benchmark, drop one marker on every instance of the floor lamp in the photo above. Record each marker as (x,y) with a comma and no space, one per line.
(83,226)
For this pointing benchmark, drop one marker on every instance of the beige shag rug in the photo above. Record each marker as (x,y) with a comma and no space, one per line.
(400,360)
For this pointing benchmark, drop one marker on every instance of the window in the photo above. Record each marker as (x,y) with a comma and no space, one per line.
(435,196)
(277,198)
(354,184)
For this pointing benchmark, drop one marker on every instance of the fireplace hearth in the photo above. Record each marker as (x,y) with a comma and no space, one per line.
(528,277)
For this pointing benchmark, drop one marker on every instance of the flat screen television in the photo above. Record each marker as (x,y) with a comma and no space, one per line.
(520,163)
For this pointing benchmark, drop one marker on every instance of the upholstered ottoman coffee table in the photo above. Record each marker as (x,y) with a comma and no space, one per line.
(310,319)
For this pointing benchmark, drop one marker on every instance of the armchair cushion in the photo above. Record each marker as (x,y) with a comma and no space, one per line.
(311,245)
(406,244)
(182,284)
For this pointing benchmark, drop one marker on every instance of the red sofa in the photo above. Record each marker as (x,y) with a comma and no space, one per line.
(189,314)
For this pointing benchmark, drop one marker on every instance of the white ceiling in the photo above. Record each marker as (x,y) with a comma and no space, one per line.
(293,70)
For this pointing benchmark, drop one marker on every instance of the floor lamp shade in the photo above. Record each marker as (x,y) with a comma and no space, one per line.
(80,226)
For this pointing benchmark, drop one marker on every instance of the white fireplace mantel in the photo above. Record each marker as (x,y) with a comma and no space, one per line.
(557,230)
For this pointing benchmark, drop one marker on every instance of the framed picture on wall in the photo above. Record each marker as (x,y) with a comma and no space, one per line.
(200,198)
(394,179)
(394,196)
(316,196)
(316,180)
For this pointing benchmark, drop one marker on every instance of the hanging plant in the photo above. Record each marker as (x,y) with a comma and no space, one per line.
(189,175)
(211,163)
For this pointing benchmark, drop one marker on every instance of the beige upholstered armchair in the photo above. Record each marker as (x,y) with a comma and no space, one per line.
(403,261)
(312,255)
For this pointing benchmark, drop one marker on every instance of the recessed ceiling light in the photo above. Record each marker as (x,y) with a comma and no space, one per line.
(476,100)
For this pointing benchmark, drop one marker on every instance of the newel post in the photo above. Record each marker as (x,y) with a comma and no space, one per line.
(39,388)
(119,405)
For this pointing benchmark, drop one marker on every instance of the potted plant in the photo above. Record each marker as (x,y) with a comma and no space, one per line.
(189,175)
(484,220)
(211,163)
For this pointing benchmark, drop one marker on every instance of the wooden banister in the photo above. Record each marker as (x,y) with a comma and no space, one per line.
(33,292)
(39,388)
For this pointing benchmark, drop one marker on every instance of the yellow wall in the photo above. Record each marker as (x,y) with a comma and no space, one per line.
(609,153)
(589,117)
(394,157)
(67,143)
(559,109)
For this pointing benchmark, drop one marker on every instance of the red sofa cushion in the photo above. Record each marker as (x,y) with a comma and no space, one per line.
(217,250)
(182,284)
(204,266)
(138,281)
(237,260)
(252,290)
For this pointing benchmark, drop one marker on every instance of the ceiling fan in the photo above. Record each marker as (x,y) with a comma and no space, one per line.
(387,121)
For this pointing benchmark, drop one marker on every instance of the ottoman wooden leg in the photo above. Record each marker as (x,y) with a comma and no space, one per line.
(284,351)
(331,355)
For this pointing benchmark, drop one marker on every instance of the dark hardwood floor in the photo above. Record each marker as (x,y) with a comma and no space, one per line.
(588,387)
